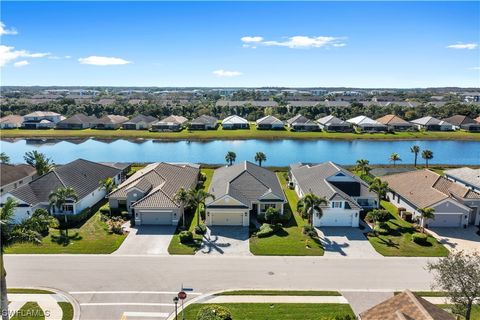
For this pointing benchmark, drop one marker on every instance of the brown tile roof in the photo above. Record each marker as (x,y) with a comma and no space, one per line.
(10,173)
(12,119)
(406,306)
(391,119)
(458,120)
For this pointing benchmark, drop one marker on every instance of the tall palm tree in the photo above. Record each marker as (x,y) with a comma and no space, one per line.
(394,157)
(182,197)
(108,184)
(380,187)
(4,158)
(427,155)
(197,200)
(260,157)
(311,204)
(415,150)
(363,166)
(39,161)
(425,214)
(58,198)
(230,157)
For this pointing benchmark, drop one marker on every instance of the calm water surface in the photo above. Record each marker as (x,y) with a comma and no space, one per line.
(279,153)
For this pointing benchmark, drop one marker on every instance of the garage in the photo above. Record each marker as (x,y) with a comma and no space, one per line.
(156,217)
(334,219)
(227,218)
(446,220)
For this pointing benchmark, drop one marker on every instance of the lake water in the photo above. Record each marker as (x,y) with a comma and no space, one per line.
(279,153)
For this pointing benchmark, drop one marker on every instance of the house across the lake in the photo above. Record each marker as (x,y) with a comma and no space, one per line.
(270,123)
(41,120)
(395,123)
(432,124)
(204,122)
(463,122)
(78,121)
(302,123)
(366,124)
(110,122)
(171,123)
(11,122)
(333,124)
(139,122)
(235,122)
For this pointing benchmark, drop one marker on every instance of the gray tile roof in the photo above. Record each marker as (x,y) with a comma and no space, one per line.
(10,173)
(465,174)
(299,119)
(459,120)
(112,119)
(303,103)
(42,114)
(141,118)
(205,119)
(79,118)
(269,120)
(173,120)
(427,121)
(332,120)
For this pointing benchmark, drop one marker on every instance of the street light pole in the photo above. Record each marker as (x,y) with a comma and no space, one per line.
(175,300)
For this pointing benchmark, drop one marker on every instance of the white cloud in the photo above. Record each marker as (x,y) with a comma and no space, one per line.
(295,42)
(8,54)
(4,30)
(103,61)
(476,68)
(22,63)
(227,74)
(468,46)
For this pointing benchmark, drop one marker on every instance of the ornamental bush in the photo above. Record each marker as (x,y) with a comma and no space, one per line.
(201,229)
(272,215)
(266,230)
(379,230)
(214,312)
(186,237)
(420,238)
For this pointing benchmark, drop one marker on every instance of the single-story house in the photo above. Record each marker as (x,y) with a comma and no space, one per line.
(81,175)
(139,122)
(333,124)
(468,177)
(242,190)
(454,205)
(204,122)
(347,194)
(78,121)
(301,123)
(110,122)
(432,124)
(270,123)
(11,122)
(366,124)
(259,104)
(149,194)
(171,123)
(14,176)
(235,122)
(463,122)
(403,306)
(41,120)
(395,123)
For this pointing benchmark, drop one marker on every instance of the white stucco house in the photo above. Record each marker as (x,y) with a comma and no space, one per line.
(235,122)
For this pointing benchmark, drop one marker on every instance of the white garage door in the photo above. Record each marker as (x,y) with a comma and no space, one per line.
(337,219)
(227,219)
(164,218)
(446,220)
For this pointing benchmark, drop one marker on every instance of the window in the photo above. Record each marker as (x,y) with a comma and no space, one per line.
(268,205)
(67,208)
(336,204)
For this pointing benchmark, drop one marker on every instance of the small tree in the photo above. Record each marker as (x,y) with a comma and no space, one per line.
(394,157)
(230,157)
(4,158)
(378,216)
(427,155)
(39,161)
(458,275)
(272,215)
(363,166)
(260,157)
(58,198)
(197,199)
(380,187)
(425,214)
(309,205)
(108,184)
(183,198)
(415,150)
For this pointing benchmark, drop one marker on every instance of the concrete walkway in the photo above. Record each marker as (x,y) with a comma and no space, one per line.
(47,302)
(275,299)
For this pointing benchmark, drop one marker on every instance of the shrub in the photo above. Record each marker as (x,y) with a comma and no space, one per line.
(286,216)
(186,237)
(261,217)
(74,220)
(379,230)
(201,229)
(272,215)
(420,238)
(214,312)
(378,216)
(309,231)
(266,230)
(105,210)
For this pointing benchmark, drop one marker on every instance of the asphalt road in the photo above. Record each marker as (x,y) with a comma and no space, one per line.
(106,286)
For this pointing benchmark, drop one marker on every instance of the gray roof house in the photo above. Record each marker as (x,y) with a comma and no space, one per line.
(242,190)
(432,124)
(204,122)
(81,175)
(139,122)
(14,176)
(468,177)
(270,123)
(78,121)
(171,123)
(11,122)
(301,123)
(149,194)
(346,193)
(463,122)
(333,124)
(110,122)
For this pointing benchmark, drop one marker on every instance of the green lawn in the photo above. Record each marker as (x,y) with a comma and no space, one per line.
(221,134)
(284,311)
(475,315)
(399,241)
(28,291)
(29,311)
(279,293)
(175,247)
(291,241)
(67,310)
(92,237)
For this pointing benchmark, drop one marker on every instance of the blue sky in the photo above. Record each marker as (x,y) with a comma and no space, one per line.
(355,44)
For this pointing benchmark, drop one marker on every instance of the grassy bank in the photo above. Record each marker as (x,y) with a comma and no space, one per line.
(279,293)
(221,134)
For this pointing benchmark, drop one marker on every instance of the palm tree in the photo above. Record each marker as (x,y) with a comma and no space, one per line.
(363,166)
(415,150)
(427,155)
(380,187)
(394,157)
(260,157)
(58,198)
(425,214)
(108,184)
(39,161)
(230,157)
(197,199)
(4,158)
(182,198)
(311,204)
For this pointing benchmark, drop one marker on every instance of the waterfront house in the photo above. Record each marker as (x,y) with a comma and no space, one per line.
(347,195)
(366,124)
(333,124)
(171,123)
(139,122)
(14,176)
(110,122)
(81,175)
(149,194)
(463,122)
(11,122)
(78,121)
(204,122)
(235,122)
(454,205)
(41,120)
(395,123)
(468,177)
(302,123)
(242,190)
(432,124)
(270,123)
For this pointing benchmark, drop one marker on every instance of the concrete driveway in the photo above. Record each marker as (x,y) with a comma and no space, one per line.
(346,242)
(458,238)
(147,240)
(223,240)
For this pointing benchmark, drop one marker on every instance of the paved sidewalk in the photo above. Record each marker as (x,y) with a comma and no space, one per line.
(275,299)
(47,302)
